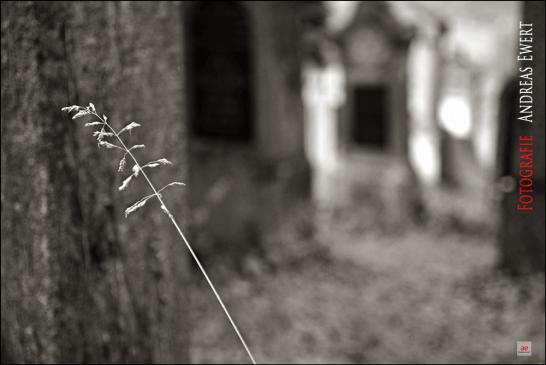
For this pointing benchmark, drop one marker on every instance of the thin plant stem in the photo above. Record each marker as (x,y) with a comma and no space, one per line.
(181,234)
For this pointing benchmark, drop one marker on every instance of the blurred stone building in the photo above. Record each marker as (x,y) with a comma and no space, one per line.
(245,118)
(371,167)
(374,119)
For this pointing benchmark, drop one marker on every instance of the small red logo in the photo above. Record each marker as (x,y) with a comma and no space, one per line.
(523,348)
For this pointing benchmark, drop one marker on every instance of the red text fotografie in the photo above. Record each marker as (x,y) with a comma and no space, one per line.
(525,176)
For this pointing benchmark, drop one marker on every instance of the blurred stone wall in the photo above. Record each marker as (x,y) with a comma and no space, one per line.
(80,283)
(242,192)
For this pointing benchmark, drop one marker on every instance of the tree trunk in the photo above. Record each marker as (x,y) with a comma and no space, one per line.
(79,282)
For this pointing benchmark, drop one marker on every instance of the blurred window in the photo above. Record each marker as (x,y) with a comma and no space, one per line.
(219,71)
(369,116)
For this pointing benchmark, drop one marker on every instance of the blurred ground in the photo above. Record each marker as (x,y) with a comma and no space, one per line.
(427,294)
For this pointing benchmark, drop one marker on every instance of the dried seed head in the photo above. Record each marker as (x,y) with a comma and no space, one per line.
(81,113)
(125,183)
(122,163)
(70,109)
(171,184)
(161,161)
(136,170)
(128,127)
(164,161)
(137,146)
(138,205)
(107,144)
(165,210)
(101,134)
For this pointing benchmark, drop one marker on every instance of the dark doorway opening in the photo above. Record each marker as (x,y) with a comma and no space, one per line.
(219,70)
(370,127)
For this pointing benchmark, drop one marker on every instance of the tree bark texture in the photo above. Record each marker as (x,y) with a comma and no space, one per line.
(80,283)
